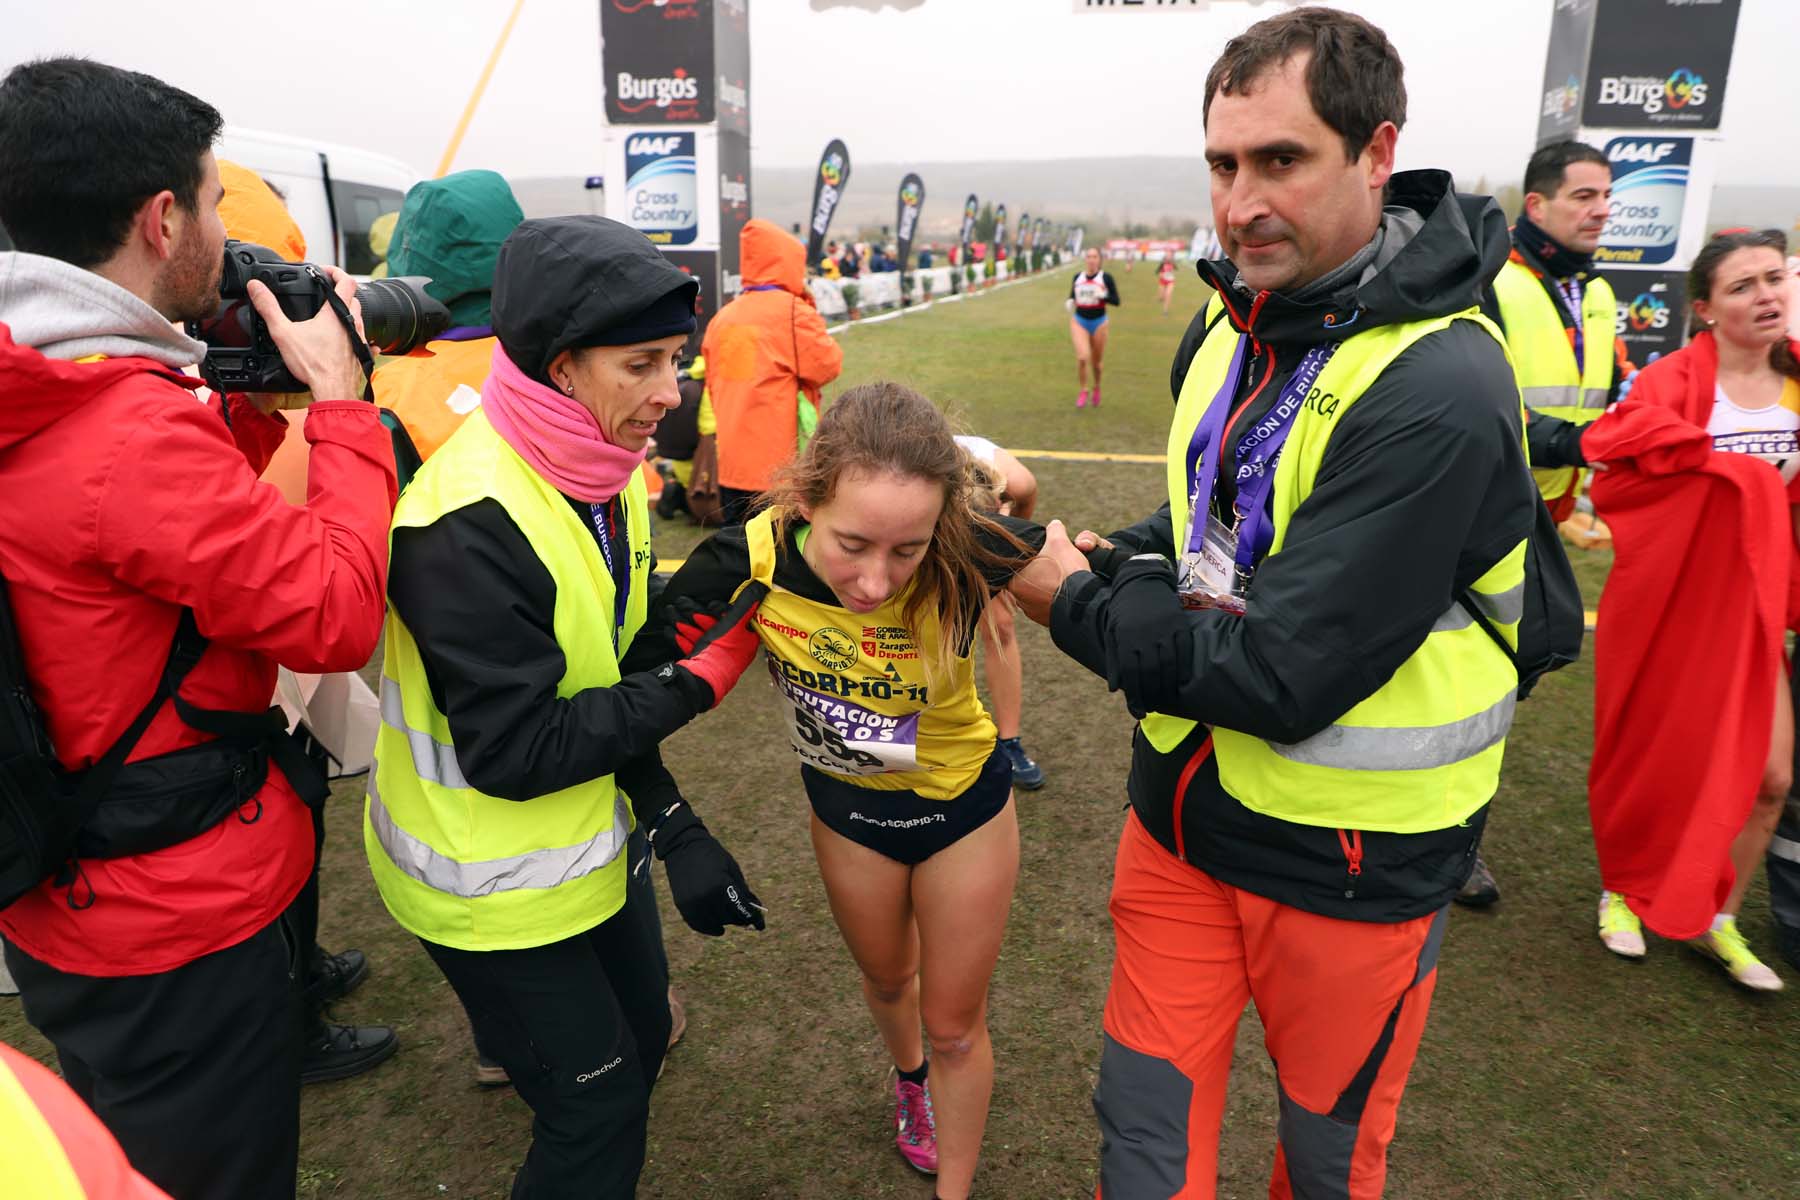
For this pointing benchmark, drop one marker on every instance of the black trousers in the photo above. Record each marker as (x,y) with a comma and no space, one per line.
(581,1026)
(196,1071)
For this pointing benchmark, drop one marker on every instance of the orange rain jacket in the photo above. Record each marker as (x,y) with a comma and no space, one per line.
(762,351)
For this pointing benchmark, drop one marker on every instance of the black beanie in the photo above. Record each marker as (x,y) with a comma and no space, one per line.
(562,283)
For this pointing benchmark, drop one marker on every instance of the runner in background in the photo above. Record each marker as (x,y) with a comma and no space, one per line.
(1006,486)
(877,569)
(1165,282)
(1089,293)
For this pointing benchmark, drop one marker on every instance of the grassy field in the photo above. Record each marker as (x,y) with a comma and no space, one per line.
(1549,1069)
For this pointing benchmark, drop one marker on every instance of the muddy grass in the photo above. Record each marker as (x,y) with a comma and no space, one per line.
(1549,1068)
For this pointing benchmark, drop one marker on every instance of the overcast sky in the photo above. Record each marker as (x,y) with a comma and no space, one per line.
(943,80)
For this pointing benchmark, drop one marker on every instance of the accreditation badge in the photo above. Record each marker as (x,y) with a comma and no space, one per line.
(1208,575)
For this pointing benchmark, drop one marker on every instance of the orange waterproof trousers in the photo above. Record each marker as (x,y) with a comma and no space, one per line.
(1342,1003)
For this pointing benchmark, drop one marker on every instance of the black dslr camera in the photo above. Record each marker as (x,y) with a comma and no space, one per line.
(241,356)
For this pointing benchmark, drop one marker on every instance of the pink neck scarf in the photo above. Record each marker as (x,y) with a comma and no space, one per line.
(555,434)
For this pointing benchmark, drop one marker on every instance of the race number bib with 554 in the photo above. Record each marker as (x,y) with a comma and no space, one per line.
(832,734)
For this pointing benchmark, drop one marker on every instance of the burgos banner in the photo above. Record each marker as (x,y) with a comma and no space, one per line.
(662,189)
(1659,64)
(828,189)
(1650,317)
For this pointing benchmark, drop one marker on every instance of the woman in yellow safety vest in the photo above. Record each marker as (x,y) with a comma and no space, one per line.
(877,570)
(514,756)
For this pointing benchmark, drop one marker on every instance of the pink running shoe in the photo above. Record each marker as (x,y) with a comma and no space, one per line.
(1094,398)
(915,1132)
(1081,398)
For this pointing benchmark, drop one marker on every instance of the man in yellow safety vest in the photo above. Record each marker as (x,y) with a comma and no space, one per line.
(1323,715)
(1559,319)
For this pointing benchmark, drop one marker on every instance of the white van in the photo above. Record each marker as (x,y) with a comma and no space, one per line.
(335,193)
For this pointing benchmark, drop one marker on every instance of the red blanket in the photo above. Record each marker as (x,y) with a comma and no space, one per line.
(1689,645)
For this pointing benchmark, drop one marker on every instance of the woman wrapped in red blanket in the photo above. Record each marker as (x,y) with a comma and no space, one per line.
(1702,480)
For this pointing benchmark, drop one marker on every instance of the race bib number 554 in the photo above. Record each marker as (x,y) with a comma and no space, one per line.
(832,734)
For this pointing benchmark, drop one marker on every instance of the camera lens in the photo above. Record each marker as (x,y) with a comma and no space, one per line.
(398,317)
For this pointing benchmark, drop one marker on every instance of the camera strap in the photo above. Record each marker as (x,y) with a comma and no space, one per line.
(363,354)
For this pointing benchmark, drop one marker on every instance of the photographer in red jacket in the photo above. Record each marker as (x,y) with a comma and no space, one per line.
(161,967)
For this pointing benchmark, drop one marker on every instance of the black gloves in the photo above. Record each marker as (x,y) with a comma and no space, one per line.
(704,879)
(1148,636)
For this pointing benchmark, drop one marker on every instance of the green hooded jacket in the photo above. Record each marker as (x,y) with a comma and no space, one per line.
(450,229)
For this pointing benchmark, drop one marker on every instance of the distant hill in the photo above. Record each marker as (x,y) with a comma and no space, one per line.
(1159,192)
(1757,207)
(1166,193)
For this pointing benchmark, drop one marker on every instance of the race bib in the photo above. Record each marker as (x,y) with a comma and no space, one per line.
(1208,574)
(1090,293)
(832,734)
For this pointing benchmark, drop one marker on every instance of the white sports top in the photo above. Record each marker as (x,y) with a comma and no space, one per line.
(1771,434)
(979,448)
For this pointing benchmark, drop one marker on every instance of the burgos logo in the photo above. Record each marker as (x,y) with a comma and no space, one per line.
(1562,101)
(1683,89)
(660,91)
(1645,314)
(831,170)
(909,194)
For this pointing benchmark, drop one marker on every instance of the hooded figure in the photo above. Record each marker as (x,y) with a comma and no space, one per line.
(514,758)
(252,212)
(766,352)
(450,231)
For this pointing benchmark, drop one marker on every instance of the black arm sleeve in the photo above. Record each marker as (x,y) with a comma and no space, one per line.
(705,585)
(1112,289)
(1155,534)
(1554,442)
(648,785)
(1006,559)
(480,605)
(1422,489)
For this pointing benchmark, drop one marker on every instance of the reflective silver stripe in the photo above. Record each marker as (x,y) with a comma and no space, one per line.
(1502,608)
(1786,848)
(432,759)
(1593,398)
(545,868)
(1453,618)
(1403,748)
(1552,397)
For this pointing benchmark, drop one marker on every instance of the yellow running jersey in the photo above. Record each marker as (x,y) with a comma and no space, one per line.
(862,700)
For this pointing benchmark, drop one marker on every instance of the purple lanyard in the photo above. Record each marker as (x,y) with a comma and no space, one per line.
(621,583)
(1571,298)
(1255,454)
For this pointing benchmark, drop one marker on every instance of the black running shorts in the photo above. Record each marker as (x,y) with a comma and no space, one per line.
(903,825)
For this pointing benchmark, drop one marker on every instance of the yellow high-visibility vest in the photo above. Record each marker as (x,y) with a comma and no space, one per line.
(1544,361)
(454,865)
(1423,752)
